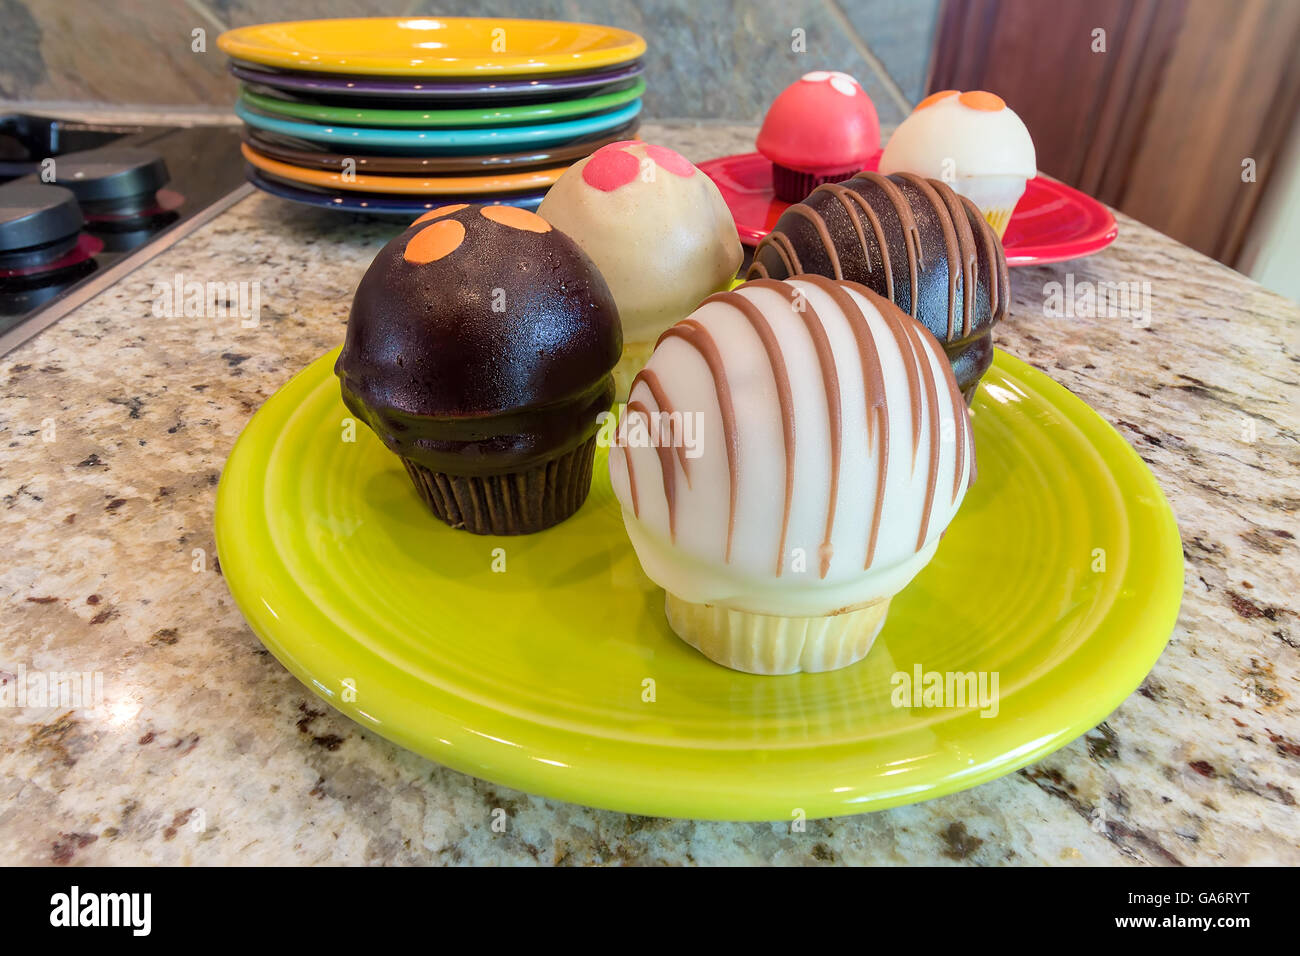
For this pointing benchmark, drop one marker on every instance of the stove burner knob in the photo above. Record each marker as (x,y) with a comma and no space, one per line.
(39,223)
(113,180)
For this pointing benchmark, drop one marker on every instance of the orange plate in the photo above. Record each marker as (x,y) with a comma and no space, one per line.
(493,183)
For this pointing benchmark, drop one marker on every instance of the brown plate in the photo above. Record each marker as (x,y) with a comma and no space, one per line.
(299,152)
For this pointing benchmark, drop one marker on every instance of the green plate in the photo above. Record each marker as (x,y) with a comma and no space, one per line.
(475,116)
(558,675)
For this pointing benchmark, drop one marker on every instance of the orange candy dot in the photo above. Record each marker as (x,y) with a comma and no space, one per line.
(516,218)
(980,100)
(935,98)
(434,242)
(440,211)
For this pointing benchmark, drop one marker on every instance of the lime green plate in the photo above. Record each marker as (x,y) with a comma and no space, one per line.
(477,116)
(545,663)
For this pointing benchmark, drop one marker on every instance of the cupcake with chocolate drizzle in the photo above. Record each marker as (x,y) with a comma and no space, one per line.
(834,450)
(479,349)
(910,239)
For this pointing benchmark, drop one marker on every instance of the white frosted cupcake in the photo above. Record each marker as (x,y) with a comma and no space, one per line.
(657,229)
(807,447)
(972,141)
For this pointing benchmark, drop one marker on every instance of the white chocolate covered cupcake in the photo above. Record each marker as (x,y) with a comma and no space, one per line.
(657,229)
(972,141)
(830,449)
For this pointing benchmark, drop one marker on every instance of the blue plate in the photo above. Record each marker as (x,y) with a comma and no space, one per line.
(538,134)
(377,204)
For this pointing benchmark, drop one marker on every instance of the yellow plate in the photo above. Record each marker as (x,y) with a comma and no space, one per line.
(544,662)
(494,183)
(445,46)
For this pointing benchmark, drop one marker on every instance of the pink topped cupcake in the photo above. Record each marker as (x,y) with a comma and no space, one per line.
(821,129)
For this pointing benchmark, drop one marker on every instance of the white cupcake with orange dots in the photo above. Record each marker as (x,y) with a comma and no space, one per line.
(973,142)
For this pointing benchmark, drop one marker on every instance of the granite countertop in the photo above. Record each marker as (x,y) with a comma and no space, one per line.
(115,426)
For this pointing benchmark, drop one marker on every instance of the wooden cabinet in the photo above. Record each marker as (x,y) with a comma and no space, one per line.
(1157,107)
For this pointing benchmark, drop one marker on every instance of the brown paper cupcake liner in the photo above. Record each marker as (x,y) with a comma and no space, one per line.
(517,503)
(791,185)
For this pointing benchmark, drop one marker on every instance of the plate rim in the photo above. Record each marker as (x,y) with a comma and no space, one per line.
(459,137)
(490,183)
(694,793)
(239,44)
(1036,255)
(257,138)
(406,205)
(573,107)
(434,88)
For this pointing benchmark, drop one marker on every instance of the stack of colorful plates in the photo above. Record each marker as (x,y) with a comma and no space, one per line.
(399,115)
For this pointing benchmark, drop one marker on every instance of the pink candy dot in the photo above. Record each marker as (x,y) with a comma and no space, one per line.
(610,168)
(674,162)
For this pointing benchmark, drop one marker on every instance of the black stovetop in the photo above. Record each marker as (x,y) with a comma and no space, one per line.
(204,170)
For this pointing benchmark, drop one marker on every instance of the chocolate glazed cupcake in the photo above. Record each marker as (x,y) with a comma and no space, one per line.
(910,239)
(479,349)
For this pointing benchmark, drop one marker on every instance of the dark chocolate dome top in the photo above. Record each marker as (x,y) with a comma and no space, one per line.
(481,342)
(478,311)
(910,239)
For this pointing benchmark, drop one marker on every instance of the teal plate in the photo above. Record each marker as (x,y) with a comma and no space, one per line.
(495,137)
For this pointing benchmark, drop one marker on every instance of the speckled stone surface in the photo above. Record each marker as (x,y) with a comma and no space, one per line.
(115,425)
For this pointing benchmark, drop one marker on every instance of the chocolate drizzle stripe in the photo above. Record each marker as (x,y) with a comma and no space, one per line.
(908,357)
(968,436)
(999,279)
(990,255)
(838,191)
(814,217)
(779,242)
(784,241)
(968,252)
(912,235)
(973,454)
(961,422)
(951,246)
(652,382)
(920,227)
(771,240)
(831,382)
(783,395)
(666,468)
(631,480)
(1004,276)
(923,356)
(873,383)
(877,229)
(695,335)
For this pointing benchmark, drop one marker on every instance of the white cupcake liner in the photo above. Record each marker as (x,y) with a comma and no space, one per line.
(995,196)
(768,644)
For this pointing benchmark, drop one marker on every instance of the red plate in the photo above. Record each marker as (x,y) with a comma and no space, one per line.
(1052,221)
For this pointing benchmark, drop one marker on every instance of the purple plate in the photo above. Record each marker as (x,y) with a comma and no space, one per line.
(504,91)
(378,204)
